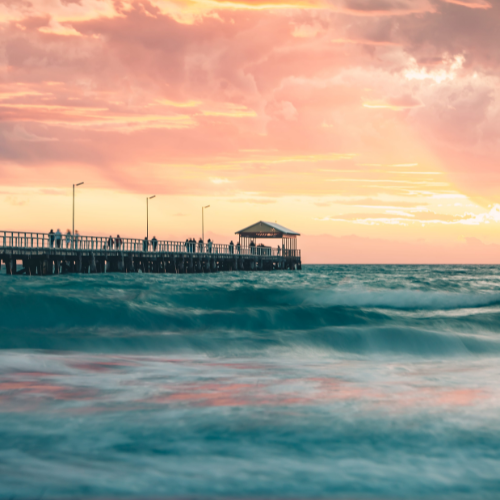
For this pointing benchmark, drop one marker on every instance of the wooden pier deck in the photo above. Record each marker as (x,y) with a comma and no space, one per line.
(42,254)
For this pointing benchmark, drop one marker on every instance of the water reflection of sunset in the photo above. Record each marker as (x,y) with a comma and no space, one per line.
(116,385)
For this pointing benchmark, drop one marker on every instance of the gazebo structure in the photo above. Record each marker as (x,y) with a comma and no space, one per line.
(265,230)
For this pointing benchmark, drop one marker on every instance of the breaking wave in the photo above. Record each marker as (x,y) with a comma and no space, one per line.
(318,311)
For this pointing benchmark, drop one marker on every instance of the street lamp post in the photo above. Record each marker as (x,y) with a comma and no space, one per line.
(74,185)
(203,222)
(147,215)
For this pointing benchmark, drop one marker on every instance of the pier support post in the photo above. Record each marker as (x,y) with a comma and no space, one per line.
(93,267)
(121,263)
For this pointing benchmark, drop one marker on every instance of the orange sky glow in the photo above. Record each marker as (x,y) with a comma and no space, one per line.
(372,127)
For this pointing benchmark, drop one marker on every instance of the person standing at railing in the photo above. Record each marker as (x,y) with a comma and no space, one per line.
(238,248)
(110,242)
(200,246)
(77,237)
(154,243)
(51,238)
(145,244)
(252,248)
(118,242)
(279,250)
(68,238)
(209,245)
(58,238)
(231,247)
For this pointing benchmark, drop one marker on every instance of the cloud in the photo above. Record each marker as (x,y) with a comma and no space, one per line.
(19,133)
(258,201)
(471,4)
(420,217)
(193,88)
(371,202)
(219,180)
(15,201)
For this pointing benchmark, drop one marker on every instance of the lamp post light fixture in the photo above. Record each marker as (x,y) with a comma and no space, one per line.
(203,222)
(74,186)
(147,215)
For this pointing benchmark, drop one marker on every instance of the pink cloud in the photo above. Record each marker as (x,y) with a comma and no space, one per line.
(471,4)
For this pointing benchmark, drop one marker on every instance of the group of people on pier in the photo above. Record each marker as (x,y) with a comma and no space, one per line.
(192,246)
(261,249)
(58,240)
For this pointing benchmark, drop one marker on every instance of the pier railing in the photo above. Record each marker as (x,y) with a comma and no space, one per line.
(13,239)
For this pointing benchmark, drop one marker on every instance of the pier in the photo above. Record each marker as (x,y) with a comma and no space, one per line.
(42,254)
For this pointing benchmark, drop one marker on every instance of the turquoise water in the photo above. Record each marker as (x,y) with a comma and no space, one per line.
(347,382)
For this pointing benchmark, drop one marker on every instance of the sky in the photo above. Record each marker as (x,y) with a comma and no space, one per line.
(372,127)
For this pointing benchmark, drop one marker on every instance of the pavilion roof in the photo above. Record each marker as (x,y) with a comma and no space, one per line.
(264,229)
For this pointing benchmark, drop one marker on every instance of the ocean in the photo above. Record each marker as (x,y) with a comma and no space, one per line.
(350,382)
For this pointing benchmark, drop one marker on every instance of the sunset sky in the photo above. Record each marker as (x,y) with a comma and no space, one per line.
(372,127)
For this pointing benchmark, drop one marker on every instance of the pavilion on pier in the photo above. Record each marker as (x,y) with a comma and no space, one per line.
(264,230)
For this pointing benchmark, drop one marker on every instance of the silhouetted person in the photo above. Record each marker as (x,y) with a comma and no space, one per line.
(200,245)
(58,238)
(279,250)
(51,238)
(76,238)
(238,247)
(145,244)
(110,241)
(68,238)
(154,243)
(231,247)
(209,245)
(118,242)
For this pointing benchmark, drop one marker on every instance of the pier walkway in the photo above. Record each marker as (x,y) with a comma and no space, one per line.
(41,254)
